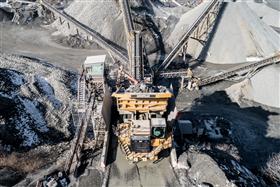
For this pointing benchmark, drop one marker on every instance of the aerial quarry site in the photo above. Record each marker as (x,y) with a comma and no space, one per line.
(139,93)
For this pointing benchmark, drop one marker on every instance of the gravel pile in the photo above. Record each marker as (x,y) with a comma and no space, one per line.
(104,17)
(263,88)
(269,15)
(240,36)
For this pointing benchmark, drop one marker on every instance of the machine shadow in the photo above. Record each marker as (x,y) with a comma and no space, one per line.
(113,141)
(249,127)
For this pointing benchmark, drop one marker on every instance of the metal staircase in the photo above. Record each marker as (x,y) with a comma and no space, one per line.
(82,95)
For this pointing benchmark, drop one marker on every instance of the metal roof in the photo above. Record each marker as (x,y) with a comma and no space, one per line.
(95,59)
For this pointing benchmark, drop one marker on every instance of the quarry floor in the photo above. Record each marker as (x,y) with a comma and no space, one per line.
(256,131)
(38,42)
(255,128)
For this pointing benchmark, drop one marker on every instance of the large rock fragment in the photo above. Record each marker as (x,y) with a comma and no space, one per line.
(204,170)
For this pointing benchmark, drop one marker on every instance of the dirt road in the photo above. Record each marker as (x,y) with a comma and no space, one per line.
(143,174)
(37,42)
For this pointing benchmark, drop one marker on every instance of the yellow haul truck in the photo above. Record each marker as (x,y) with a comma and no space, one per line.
(143,132)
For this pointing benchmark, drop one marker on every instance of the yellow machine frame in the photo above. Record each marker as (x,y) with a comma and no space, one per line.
(143,103)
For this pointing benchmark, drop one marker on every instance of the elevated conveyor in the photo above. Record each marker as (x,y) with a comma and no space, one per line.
(237,70)
(212,8)
(127,18)
(80,28)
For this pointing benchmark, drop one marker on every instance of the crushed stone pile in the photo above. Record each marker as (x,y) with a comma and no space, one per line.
(103,17)
(199,169)
(263,88)
(273,4)
(240,35)
(34,100)
(266,13)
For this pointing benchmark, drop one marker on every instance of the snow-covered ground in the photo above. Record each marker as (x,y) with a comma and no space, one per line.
(39,95)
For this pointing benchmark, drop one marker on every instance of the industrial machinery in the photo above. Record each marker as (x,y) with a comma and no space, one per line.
(143,131)
(93,112)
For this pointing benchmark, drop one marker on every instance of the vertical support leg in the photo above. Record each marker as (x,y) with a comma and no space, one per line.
(60,21)
(184,54)
(182,83)
(185,47)
(197,32)
(53,17)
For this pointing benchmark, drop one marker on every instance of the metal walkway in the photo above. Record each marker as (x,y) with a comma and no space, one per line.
(237,70)
(173,74)
(89,111)
(212,9)
(76,147)
(80,28)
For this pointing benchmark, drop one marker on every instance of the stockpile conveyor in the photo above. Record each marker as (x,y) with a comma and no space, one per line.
(212,9)
(128,23)
(100,40)
(236,70)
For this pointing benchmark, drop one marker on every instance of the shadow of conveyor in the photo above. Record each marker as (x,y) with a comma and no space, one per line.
(250,131)
(113,140)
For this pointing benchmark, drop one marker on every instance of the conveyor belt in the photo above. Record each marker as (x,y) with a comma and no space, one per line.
(101,41)
(224,75)
(176,50)
(127,16)
(134,42)
(236,70)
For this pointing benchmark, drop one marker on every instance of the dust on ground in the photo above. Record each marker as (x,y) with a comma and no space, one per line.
(37,42)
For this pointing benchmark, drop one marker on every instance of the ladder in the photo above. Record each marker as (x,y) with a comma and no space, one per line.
(82,95)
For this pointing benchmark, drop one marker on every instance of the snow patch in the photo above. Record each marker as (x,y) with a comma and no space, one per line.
(30,138)
(35,114)
(47,90)
(16,78)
